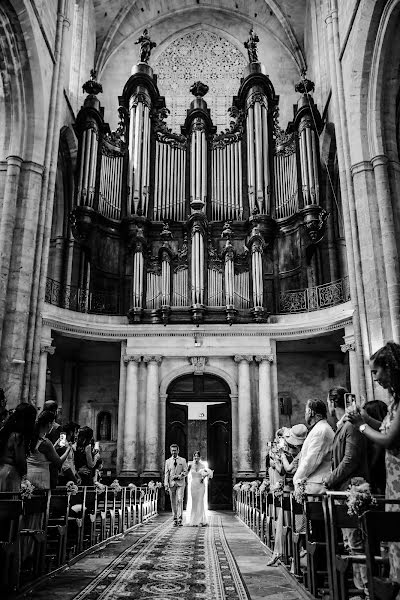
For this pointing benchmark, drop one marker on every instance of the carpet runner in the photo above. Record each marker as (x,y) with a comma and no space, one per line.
(172,563)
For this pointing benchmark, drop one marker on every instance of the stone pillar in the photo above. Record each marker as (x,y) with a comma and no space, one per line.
(152,418)
(244,416)
(265,408)
(129,461)
(121,407)
(350,347)
(45,349)
(235,433)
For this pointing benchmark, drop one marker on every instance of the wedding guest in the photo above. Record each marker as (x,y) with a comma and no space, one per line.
(385,370)
(68,469)
(3,407)
(315,457)
(288,457)
(349,459)
(15,437)
(86,456)
(273,463)
(377,409)
(54,433)
(43,453)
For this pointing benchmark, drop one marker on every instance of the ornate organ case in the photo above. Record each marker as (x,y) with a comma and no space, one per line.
(198,226)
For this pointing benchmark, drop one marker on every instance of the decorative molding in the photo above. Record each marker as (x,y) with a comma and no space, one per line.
(265,357)
(347,347)
(198,364)
(238,358)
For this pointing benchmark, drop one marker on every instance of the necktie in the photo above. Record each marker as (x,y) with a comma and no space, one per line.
(175,463)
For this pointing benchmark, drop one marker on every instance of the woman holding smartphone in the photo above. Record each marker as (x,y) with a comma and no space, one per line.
(385,369)
(86,455)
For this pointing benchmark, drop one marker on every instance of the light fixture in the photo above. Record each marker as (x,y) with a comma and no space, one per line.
(197,341)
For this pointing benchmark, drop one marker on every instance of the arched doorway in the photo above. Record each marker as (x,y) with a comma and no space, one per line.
(199,418)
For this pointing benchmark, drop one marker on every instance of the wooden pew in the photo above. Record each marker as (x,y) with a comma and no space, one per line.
(57,529)
(35,539)
(316,545)
(10,526)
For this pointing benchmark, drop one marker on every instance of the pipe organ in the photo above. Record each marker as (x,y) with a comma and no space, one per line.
(197,218)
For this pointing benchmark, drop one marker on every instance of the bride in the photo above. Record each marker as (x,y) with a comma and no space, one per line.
(198,475)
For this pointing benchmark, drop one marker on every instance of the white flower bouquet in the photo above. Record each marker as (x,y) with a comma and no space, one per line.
(132,487)
(27,489)
(237,486)
(277,489)
(264,487)
(300,491)
(116,487)
(206,473)
(359,497)
(72,488)
(100,487)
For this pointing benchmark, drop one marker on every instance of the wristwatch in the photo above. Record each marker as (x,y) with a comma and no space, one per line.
(362,427)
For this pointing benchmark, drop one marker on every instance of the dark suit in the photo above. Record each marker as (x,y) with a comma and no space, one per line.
(349,457)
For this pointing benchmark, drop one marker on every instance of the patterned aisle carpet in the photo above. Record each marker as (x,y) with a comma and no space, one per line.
(172,563)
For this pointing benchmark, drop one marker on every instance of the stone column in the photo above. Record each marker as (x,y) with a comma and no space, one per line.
(129,461)
(152,418)
(45,349)
(244,415)
(265,408)
(350,347)
(121,407)
(235,433)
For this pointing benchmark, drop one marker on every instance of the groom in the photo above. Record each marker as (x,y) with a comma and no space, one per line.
(174,482)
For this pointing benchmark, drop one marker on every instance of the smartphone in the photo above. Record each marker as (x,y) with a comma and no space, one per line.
(350,402)
(97,446)
(63,440)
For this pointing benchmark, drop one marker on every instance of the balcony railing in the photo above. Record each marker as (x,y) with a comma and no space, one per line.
(315,298)
(82,300)
(109,303)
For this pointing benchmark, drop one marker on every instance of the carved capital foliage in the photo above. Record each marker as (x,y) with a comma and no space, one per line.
(132,358)
(149,359)
(238,358)
(264,358)
(198,364)
(347,347)
(47,348)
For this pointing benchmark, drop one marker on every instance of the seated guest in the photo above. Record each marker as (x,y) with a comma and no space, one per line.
(288,458)
(315,457)
(68,469)
(377,409)
(86,457)
(349,459)
(43,453)
(15,437)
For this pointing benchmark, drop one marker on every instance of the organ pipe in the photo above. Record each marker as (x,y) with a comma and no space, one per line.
(308,162)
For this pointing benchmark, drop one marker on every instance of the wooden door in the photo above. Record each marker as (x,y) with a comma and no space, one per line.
(219,455)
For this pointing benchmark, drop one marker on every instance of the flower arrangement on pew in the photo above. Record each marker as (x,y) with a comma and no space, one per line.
(115,486)
(99,487)
(359,497)
(277,489)
(254,485)
(300,491)
(72,488)
(206,473)
(132,487)
(154,485)
(237,487)
(27,489)
(264,487)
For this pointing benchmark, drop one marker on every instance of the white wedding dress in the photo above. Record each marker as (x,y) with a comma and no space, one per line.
(196,509)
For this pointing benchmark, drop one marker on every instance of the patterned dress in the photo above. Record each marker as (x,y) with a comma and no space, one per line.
(392,460)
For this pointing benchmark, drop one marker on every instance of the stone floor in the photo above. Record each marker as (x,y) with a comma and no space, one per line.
(90,578)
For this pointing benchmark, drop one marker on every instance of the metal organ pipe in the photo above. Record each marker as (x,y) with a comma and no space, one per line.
(315,164)
(85,190)
(267,194)
(259,157)
(251,157)
(310,165)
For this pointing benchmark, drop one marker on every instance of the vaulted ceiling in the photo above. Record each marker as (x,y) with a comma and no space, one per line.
(118,19)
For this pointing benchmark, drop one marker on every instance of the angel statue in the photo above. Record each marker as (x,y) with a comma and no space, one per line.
(251,46)
(146,46)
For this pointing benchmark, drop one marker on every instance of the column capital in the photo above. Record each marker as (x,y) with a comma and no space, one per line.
(348,346)
(265,358)
(238,358)
(47,348)
(132,358)
(156,358)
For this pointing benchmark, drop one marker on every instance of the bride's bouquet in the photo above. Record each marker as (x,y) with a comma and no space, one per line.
(206,473)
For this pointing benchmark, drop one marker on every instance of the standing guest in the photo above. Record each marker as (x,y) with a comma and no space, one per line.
(288,458)
(3,407)
(349,459)
(68,469)
(15,438)
(53,436)
(86,457)
(273,463)
(43,453)
(377,409)
(385,369)
(315,457)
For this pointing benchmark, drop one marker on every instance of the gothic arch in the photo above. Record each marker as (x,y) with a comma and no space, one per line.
(186,370)
(22,110)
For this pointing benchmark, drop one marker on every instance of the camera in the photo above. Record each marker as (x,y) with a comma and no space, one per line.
(350,402)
